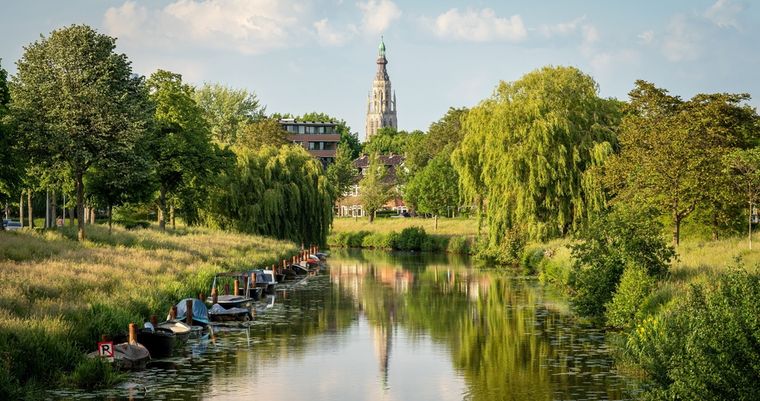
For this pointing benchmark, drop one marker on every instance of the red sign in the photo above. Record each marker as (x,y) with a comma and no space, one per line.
(105,349)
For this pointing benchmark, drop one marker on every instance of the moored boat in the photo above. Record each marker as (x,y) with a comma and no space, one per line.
(217,313)
(199,312)
(181,330)
(159,342)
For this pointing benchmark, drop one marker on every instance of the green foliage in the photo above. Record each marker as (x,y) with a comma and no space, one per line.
(432,190)
(411,239)
(671,153)
(10,163)
(227,110)
(77,103)
(388,140)
(743,168)
(531,259)
(627,306)
(375,189)
(529,153)
(342,172)
(281,192)
(458,244)
(442,137)
(619,238)
(380,241)
(265,132)
(94,373)
(705,348)
(184,158)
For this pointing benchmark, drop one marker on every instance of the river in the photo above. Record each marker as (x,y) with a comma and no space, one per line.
(393,326)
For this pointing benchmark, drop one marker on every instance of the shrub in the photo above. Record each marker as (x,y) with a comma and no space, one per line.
(378,241)
(434,243)
(411,239)
(458,244)
(531,259)
(624,310)
(616,239)
(705,348)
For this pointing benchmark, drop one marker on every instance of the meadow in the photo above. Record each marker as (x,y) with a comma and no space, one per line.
(58,296)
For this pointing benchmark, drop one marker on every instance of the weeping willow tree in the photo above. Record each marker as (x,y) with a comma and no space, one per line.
(531,153)
(275,191)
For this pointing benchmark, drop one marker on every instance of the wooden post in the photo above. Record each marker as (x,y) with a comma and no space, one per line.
(227,289)
(154,321)
(236,286)
(189,314)
(132,333)
(202,297)
(214,296)
(173,313)
(274,268)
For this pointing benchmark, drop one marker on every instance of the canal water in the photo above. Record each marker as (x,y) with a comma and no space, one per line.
(392,326)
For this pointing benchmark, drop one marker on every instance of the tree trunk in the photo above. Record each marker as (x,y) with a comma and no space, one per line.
(162,209)
(71,217)
(371,216)
(110,219)
(81,236)
(171,217)
(92,215)
(715,226)
(21,209)
(63,210)
(47,209)
(54,210)
(676,229)
(749,226)
(29,208)
(436,222)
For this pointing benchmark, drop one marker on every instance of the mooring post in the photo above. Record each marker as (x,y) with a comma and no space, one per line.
(214,296)
(189,313)
(154,321)
(226,288)
(173,313)
(202,296)
(132,333)
(236,287)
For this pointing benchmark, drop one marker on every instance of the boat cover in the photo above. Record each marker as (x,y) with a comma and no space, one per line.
(200,311)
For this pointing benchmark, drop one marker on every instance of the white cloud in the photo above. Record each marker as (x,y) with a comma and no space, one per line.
(246,26)
(478,26)
(681,40)
(646,37)
(590,34)
(377,15)
(724,13)
(562,28)
(329,36)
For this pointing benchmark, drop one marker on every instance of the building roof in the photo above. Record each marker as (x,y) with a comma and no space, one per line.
(301,122)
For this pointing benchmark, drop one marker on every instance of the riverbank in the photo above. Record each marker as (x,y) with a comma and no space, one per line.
(455,235)
(58,296)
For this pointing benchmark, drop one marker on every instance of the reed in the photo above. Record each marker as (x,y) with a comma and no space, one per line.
(58,296)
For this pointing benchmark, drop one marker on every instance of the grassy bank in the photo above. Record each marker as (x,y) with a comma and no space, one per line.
(409,239)
(446,226)
(58,296)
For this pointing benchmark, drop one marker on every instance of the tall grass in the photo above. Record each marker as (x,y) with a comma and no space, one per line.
(58,296)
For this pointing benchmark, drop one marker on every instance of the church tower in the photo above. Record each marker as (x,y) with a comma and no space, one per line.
(381,103)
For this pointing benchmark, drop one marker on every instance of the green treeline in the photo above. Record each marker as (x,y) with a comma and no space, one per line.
(76,123)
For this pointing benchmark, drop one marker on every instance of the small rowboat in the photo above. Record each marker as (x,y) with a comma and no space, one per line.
(181,330)
(217,313)
(159,342)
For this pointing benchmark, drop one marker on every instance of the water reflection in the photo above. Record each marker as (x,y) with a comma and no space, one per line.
(382,326)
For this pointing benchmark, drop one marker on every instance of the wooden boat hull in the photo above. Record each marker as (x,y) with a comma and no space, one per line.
(159,342)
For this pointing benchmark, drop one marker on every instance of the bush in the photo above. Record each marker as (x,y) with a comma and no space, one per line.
(458,244)
(619,238)
(379,241)
(705,348)
(531,259)
(625,308)
(411,239)
(434,243)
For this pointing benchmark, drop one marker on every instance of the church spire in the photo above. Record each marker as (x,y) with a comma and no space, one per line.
(381,106)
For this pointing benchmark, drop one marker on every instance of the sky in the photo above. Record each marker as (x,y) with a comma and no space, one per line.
(300,56)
